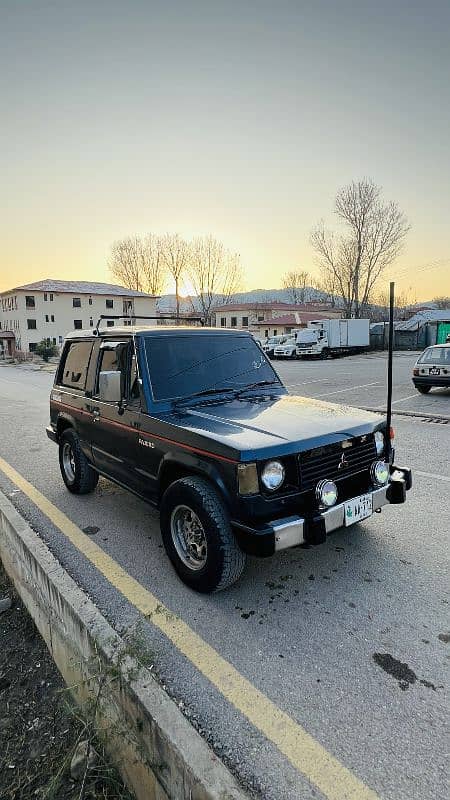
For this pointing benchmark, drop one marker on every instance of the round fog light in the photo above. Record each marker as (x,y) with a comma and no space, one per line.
(326,493)
(380,472)
(272,475)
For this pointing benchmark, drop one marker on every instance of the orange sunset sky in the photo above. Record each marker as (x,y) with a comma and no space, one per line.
(236,119)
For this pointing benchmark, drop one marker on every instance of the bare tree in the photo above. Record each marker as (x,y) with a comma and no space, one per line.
(215,273)
(442,302)
(374,233)
(404,303)
(138,264)
(296,282)
(175,254)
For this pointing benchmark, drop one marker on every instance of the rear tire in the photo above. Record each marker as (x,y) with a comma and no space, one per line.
(76,471)
(197,536)
(424,389)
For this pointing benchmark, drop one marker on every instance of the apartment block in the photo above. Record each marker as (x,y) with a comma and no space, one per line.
(49,309)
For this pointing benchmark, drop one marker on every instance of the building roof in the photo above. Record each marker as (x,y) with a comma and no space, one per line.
(273,306)
(78,287)
(420,319)
(298,318)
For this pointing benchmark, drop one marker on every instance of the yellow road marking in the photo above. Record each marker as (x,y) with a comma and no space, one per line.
(312,760)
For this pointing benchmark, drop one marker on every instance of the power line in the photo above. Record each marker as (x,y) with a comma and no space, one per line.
(430,265)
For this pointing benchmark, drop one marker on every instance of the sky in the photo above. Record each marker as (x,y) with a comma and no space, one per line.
(237,119)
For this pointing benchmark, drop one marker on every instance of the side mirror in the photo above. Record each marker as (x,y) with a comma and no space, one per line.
(109,386)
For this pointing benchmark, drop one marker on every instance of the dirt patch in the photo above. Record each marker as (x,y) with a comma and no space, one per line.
(40,726)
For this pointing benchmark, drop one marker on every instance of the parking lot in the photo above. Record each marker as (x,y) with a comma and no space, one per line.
(346,643)
(361,380)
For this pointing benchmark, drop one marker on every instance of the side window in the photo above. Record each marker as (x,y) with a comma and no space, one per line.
(120,357)
(74,365)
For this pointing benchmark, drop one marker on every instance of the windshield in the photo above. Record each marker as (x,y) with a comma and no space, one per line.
(435,355)
(186,364)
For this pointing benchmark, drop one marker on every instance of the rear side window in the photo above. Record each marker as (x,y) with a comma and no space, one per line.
(74,365)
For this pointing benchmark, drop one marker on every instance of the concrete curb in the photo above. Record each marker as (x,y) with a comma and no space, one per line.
(158,753)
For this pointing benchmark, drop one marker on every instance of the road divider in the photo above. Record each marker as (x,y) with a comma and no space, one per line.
(306,754)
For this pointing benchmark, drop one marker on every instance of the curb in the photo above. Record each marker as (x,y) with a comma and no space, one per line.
(158,753)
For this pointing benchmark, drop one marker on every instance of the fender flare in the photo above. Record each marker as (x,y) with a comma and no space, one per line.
(185,463)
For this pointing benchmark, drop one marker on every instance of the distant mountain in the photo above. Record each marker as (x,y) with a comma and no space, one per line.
(167,302)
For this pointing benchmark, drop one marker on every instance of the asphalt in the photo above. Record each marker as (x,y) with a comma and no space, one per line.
(348,638)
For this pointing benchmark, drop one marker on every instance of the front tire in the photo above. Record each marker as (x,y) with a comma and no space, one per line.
(423,389)
(76,471)
(197,536)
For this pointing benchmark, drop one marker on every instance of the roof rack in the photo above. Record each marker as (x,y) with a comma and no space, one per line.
(96,330)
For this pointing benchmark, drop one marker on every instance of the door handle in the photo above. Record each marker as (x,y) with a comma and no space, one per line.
(96,415)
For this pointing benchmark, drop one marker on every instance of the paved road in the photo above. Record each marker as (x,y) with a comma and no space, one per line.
(303,627)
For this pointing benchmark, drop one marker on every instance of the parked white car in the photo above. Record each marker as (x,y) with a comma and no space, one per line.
(286,350)
(272,343)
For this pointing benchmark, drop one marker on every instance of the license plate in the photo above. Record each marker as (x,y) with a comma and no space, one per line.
(435,371)
(358,508)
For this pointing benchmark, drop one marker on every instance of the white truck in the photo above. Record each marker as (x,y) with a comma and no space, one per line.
(325,338)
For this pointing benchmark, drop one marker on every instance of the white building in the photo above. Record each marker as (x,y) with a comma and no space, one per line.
(264,318)
(49,309)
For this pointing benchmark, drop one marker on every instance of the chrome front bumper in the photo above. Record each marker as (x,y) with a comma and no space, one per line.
(292,531)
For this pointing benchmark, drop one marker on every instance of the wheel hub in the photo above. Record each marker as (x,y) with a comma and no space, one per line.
(188,536)
(68,460)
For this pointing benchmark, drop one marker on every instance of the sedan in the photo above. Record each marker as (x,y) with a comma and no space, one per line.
(432,368)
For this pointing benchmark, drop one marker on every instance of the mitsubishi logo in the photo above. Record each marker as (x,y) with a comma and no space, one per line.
(343,462)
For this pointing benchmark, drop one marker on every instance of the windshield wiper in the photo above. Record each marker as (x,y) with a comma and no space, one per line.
(205,392)
(255,385)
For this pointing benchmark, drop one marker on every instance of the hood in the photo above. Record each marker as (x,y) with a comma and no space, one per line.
(257,427)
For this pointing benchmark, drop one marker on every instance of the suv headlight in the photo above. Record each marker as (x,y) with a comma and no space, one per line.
(380,472)
(379,442)
(272,475)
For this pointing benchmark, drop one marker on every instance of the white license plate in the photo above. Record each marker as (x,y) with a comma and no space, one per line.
(358,508)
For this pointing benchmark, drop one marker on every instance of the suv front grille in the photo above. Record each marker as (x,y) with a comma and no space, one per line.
(336,462)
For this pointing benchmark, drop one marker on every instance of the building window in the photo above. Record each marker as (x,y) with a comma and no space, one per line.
(32,347)
(233,322)
(245,322)
(127,322)
(45,297)
(76,302)
(51,298)
(223,322)
(54,340)
(127,307)
(260,317)
(29,301)
(266,334)
(52,317)
(109,303)
(91,322)
(46,317)
(60,339)
(110,323)
(78,324)
(31,324)
(90,301)
(275,332)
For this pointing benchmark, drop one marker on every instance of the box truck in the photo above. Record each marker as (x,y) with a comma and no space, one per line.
(333,337)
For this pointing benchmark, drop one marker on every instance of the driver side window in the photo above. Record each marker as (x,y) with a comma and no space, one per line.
(121,358)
